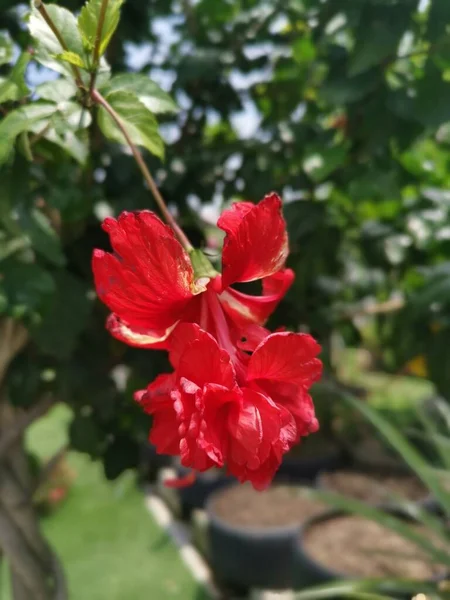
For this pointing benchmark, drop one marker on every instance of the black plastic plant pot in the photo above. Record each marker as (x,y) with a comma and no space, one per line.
(310,572)
(251,557)
(300,469)
(196,495)
(151,462)
(426,502)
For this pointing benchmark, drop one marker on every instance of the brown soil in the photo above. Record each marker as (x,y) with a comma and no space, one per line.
(358,547)
(276,507)
(374,488)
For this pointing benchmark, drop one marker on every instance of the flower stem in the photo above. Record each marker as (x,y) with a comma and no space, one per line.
(99,99)
(47,18)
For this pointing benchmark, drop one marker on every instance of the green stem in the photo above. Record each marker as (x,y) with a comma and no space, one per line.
(99,99)
(47,18)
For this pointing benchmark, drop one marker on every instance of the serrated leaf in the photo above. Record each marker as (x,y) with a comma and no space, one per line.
(140,124)
(6,48)
(88,23)
(72,58)
(24,146)
(146,90)
(21,120)
(14,87)
(73,145)
(71,116)
(56,91)
(66,24)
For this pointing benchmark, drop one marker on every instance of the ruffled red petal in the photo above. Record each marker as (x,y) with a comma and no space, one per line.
(199,359)
(286,357)
(243,309)
(260,434)
(144,338)
(156,400)
(148,281)
(256,241)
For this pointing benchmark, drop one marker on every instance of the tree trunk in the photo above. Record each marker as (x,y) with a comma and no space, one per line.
(35,571)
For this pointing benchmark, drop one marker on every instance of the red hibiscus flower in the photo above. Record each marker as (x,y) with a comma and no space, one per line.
(151,284)
(244,412)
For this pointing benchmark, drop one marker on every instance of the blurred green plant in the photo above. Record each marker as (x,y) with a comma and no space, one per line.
(434,541)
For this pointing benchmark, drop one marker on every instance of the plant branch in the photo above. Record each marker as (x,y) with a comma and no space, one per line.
(98,98)
(11,435)
(98,39)
(47,18)
(13,338)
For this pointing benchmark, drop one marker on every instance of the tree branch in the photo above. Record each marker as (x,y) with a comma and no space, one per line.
(98,98)
(17,428)
(47,18)
(13,338)
(22,562)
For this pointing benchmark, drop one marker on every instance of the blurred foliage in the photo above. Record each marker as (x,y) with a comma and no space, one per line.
(342,106)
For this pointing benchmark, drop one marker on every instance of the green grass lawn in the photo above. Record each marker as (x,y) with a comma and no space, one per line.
(109,544)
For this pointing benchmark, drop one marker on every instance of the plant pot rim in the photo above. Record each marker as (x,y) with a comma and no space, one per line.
(248,531)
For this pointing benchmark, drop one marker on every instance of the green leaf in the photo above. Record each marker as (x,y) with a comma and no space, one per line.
(56,91)
(14,87)
(17,121)
(25,285)
(66,24)
(378,39)
(6,48)
(18,74)
(318,165)
(303,50)
(41,234)
(24,146)
(88,23)
(146,90)
(85,435)
(72,58)
(76,146)
(140,124)
(65,318)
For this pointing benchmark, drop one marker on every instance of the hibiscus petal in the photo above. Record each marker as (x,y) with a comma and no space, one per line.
(201,360)
(286,357)
(145,338)
(244,309)
(156,401)
(149,280)
(261,433)
(256,241)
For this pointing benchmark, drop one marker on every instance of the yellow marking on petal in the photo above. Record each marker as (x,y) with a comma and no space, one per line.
(199,286)
(143,338)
